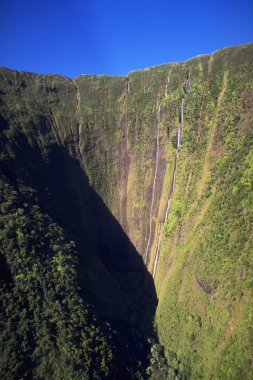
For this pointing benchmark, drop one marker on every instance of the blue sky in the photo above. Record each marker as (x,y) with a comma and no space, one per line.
(114,37)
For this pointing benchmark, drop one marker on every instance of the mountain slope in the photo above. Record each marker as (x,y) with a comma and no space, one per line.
(55,227)
(168,150)
(204,271)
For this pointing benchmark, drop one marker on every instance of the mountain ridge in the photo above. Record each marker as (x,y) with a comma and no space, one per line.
(134,70)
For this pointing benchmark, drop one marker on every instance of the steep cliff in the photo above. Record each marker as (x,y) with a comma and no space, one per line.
(156,164)
(187,208)
(73,285)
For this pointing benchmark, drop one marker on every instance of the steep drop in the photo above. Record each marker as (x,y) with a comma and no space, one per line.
(158,117)
(167,213)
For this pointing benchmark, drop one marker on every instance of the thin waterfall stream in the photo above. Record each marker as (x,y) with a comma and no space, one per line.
(158,118)
(123,169)
(79,119)
(167,84)
(167,213)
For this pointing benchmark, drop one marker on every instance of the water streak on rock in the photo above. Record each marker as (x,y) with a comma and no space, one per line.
(158,117)
(167,84)
(179,129)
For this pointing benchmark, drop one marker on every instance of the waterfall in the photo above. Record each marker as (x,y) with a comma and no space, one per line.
(122,164)
(158,117)
(182,113)
(188,82)
(167,210)
(179,128)
(166,90)
(167,84)
(157,251)
(174,176)
(79,119)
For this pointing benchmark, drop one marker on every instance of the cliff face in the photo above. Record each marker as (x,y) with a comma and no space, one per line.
(162,157)
(178,142)
(62,251)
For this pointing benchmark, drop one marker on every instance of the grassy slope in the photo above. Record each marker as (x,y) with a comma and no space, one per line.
(206,244)
(204,275)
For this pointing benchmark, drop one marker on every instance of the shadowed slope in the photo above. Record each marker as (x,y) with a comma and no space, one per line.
(111,275)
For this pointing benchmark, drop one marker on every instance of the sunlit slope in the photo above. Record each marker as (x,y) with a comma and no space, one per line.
(204,261)
(204,276)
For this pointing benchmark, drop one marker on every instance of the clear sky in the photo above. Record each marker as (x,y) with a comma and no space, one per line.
(74,37)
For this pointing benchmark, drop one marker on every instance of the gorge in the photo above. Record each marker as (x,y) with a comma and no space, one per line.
(126,244)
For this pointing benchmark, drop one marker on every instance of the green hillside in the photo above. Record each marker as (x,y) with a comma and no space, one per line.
(126,222)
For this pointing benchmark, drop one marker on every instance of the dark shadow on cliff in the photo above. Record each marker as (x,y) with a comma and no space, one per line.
(112,276)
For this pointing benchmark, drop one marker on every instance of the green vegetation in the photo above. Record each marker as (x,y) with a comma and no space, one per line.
(77,164)
(161,368)
(206,255)
(62,248)
(47,330)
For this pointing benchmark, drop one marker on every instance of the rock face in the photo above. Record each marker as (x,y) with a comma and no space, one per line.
(157,164)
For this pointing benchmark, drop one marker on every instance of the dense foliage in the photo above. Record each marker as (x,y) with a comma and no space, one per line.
(162,368)
(46,328)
